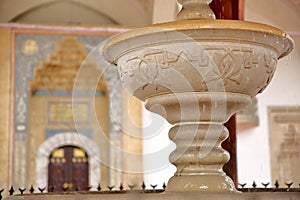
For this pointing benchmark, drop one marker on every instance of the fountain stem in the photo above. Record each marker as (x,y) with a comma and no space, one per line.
(195,9)
(198,133)
(199,164)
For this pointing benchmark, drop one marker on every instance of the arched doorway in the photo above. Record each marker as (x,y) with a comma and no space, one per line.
(68,169)
(68,139)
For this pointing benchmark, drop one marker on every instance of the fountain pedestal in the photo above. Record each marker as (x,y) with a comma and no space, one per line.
(198,132)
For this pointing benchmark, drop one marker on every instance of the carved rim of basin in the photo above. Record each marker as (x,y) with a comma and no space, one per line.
(222,30)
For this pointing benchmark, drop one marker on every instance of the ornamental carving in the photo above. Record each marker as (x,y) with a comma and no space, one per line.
(270,63)
(213,66)
(60,70)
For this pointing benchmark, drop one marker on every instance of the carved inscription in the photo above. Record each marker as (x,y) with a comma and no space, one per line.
(221,65)
(62,112)
(152,63)
(270,67)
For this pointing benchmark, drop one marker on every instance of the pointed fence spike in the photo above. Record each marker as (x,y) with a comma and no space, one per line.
(121,187)
(164,186)
(11,191)
(265,184)
(153,186)
(254,184)
(1,194)
(31,190)
(276,184)
(99,187)
(144,186)
(131,187)
(289,185)
(22,190)
(51,187)
(89,188)
(243,185)
(110,187)
(41,189)
(77,188)
(65,187)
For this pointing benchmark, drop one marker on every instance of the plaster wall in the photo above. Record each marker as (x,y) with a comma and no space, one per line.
(5,107)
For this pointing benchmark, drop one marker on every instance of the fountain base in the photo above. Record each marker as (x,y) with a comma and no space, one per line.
(201,182)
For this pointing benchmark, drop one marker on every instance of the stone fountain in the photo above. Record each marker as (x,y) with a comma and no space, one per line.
(197,72)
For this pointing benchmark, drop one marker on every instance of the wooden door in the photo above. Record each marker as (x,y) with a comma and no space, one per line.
(68,169)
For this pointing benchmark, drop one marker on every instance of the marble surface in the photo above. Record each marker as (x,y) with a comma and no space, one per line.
(163,196)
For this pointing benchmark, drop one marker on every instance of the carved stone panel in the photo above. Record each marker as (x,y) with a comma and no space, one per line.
(284,137)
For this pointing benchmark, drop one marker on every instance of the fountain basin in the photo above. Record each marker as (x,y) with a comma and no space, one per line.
(198,56)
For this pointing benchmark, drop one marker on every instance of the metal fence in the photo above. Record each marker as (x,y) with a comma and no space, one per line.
(151,188)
